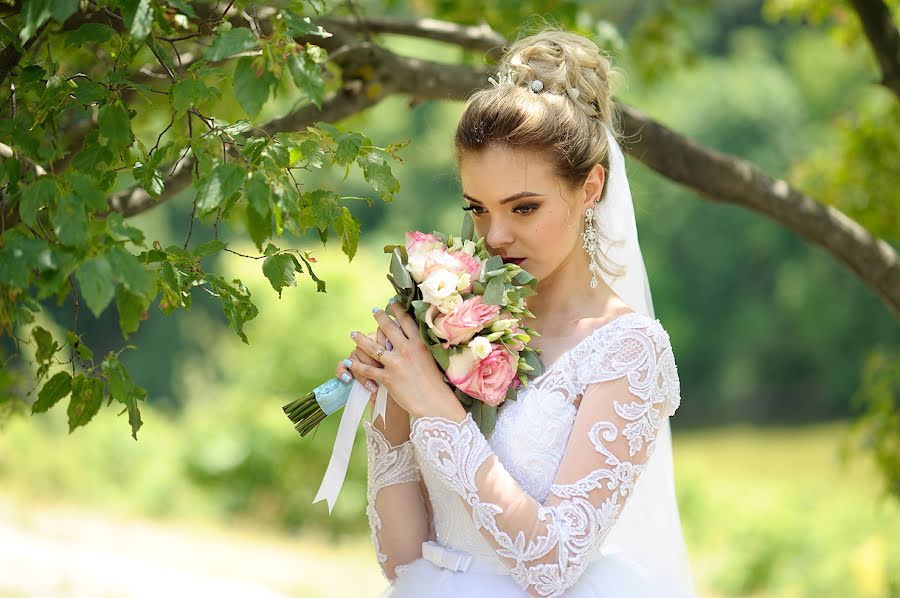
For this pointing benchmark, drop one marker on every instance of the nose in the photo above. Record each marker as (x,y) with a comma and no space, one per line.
(498,236)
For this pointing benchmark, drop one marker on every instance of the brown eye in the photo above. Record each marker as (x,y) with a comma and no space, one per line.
(474,209)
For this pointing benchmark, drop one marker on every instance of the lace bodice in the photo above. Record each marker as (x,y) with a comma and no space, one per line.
(543,491)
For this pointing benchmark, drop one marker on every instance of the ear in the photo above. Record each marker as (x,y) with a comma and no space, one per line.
(593,185)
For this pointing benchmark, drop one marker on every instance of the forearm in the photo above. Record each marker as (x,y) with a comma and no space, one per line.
(397,514)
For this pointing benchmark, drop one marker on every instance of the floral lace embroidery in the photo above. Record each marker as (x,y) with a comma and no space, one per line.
(387,465)
(576,527)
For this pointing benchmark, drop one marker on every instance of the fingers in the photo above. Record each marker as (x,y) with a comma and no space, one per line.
(391,328)
(405,321)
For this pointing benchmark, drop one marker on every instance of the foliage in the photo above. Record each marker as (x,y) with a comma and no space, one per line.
(78,123)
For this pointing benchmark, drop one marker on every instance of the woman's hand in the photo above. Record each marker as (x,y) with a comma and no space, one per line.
(409,371)
(357,355)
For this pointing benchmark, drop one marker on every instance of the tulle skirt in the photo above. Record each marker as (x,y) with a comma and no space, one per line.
(609,577)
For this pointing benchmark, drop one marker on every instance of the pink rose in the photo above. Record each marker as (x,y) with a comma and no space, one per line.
(484,379)
(464,322)
(456,262)
(418,246)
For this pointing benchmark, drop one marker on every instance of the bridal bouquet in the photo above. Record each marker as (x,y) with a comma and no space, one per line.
(469,306)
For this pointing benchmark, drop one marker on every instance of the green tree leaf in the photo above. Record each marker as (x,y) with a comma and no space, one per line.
(41,193)
(87,189)
(54,389)
(324,205)
(138,17)
(97,33)
(87,396)
(128,270)
(210,247)
(189,92)
(251,89)
(308,77)
(221,182)
(348,228)
(45,346)
(122,389)
(95,277)
(70,221)
(348,145)
(378,174)
(231,42)
(132,309)
(34,14)
(279,269)
(115,126)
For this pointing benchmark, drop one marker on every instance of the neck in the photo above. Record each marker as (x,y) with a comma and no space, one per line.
(565,296)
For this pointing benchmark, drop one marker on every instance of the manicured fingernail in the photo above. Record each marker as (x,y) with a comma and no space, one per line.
(370,385)
(348,363)
(389,345)
(346,377)
(352,334)
(375,309)
(392,300)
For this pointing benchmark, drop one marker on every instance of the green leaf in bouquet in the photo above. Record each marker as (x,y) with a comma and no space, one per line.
(511,393)
(532,359)
(419,308)
(494,262)
(399,271)
(493,273)
(523,278)
(493,293)
(400,248)
(485,417)
(523,292)
(441,355)
(468,228)
(477,287)
(465,399)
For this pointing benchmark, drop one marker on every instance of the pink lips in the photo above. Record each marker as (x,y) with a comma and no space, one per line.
(513,260)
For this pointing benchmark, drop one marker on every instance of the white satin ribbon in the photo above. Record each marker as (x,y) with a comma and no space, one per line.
(446,558)
(343,442)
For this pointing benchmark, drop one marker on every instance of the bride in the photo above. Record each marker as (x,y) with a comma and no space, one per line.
(572,494)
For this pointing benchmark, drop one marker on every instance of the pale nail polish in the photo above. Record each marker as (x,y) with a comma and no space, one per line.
(389,345)
(346,377)
(348,363)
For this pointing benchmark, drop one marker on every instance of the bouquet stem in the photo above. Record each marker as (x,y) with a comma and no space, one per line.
(311,409)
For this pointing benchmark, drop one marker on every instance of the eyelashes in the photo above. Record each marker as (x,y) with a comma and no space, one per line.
(531,209)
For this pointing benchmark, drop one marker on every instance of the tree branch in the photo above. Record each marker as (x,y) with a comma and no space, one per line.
(372,73)
(878,24)
(729,179)
(480,39)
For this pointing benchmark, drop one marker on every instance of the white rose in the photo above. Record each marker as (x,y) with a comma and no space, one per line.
(464,280)
(438,286)
(480,347)
(469,247)
(501,325)
(450,303)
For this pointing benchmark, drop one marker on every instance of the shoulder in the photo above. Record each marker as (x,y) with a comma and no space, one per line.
(637,347)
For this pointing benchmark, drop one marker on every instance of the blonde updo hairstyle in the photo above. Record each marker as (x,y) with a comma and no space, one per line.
(564,121)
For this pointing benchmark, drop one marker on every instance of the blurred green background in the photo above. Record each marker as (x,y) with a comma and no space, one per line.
(772,337)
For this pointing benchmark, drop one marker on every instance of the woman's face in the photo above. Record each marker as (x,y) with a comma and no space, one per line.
(522,209)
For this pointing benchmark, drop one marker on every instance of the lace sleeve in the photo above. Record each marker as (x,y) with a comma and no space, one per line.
(397,516)
(628,390)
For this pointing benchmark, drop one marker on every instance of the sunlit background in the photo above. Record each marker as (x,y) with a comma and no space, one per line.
(773,341)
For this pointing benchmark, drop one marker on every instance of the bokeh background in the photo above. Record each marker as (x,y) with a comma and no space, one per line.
(781,351)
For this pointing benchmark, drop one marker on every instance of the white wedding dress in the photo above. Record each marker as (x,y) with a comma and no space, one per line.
(533,509)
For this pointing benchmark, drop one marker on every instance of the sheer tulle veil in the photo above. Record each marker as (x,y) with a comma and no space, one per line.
(649,527)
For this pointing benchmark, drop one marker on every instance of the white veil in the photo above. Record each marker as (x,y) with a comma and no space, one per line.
(648,530)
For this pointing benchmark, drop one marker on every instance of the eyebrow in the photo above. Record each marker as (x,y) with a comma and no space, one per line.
(510,198)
